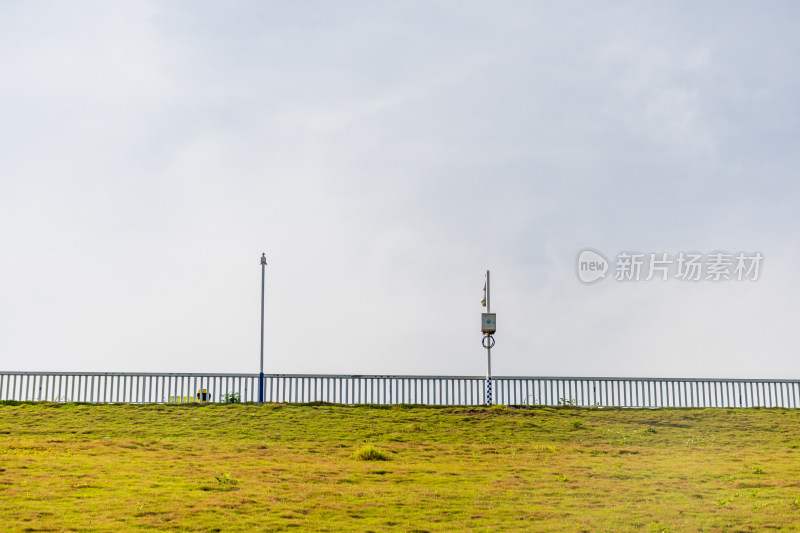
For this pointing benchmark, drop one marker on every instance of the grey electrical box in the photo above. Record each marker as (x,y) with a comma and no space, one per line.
(488,322)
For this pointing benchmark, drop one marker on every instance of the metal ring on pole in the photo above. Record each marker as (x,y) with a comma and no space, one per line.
(488,344)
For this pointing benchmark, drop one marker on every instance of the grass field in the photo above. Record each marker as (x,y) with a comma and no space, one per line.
(289,467)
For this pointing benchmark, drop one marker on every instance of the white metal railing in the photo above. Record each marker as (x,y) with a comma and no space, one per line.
(117,387)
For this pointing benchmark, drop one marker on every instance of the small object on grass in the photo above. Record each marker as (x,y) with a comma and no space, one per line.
(226,479)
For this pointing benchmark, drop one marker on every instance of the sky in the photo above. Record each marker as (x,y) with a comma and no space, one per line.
(384,155)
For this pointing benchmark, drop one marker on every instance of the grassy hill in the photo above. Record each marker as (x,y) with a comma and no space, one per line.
(298,467)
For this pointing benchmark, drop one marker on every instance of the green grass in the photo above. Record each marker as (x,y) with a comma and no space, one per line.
(243,467)
(371,453)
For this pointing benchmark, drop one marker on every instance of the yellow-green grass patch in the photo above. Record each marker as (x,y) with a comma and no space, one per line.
(281,467)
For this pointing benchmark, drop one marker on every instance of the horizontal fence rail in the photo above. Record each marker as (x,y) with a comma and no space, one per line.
(118,387)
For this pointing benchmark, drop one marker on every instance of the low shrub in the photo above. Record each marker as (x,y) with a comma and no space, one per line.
(371,453)
(233,397)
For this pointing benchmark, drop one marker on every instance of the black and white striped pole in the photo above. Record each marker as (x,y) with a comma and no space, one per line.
(488,327)
(261,372)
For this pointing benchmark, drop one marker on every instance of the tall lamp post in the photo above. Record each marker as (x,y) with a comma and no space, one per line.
(261,371)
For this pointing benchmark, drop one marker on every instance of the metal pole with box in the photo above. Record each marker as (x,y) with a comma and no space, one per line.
(488,327)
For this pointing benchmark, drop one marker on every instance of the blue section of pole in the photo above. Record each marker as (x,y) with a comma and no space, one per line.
(261,388)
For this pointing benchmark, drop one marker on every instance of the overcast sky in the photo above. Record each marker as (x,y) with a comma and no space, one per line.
(384,155)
